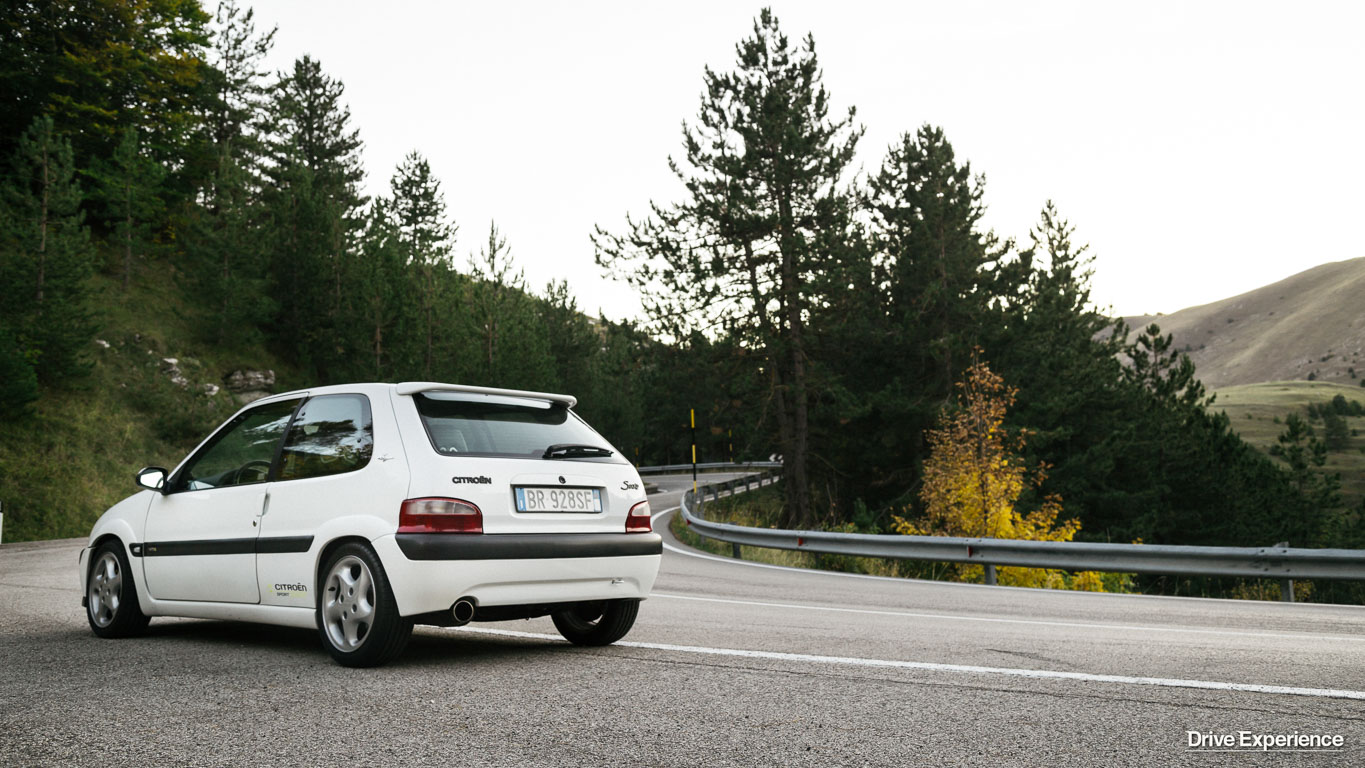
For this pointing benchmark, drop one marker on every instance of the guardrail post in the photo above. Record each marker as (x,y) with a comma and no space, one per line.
(1286,585)
(734,551)
(990,574)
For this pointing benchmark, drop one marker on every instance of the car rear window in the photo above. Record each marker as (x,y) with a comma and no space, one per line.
(489,425)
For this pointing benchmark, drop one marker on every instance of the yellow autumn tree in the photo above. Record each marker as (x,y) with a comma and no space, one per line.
(973,479)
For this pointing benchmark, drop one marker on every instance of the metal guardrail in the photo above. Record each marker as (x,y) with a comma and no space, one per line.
(1273,562)
(743,465)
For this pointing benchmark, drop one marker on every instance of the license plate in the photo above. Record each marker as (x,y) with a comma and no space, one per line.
(551,499)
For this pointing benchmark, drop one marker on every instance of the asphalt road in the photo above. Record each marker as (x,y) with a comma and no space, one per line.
(729,664)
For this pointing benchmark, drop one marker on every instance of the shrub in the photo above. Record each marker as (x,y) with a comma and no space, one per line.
(1335,431)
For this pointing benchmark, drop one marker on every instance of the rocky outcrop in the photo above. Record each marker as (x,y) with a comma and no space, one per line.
(171,367)
(248,384)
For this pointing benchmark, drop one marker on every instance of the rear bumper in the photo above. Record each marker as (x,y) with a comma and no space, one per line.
(429,572)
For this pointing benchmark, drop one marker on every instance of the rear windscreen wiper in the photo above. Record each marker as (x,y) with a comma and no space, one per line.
(571,450)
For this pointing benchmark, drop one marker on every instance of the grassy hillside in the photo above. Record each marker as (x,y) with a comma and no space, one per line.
(1309,324)
(1258,411)
(77,454)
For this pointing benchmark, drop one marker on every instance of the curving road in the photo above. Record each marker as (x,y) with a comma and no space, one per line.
(730,664)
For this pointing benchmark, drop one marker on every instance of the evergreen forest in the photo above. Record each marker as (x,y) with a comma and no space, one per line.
(171,212)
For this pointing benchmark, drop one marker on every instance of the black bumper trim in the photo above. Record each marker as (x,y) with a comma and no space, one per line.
(526,546)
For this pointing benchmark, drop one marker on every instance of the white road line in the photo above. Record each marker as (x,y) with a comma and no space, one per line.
(1037,674)
(1034,622)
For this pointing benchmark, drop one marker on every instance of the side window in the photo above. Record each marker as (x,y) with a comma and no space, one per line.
(332,434)
(241,452)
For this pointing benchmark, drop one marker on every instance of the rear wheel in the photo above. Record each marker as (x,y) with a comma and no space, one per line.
(357,614)
(111,604)
(601,622)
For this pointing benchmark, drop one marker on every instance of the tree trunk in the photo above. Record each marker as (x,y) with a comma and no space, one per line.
(795,477)
(378,348)
(127,232)
(227,292)
(42,231)
(430,302)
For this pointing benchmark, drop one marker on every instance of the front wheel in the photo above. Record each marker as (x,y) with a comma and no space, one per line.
(357,614)
(601,622)
(111,604)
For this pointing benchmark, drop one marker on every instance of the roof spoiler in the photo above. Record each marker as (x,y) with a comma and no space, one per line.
(413,387)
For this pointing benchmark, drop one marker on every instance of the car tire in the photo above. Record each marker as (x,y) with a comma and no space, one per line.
(111,604)
(357,615)
(601,622)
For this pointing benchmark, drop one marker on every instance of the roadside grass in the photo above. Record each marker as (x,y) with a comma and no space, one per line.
(75,456)
(1258,411)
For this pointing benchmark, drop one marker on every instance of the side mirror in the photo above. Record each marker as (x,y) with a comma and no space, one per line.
(152,478)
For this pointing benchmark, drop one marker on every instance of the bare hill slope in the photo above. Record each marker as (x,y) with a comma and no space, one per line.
(1312,323)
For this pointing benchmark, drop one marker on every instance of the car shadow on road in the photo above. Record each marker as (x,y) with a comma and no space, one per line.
(429,645)
(235,633)
(434,645)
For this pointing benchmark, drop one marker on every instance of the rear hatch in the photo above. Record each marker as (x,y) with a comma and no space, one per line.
(530,465)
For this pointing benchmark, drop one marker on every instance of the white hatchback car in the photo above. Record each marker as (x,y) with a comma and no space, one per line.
(364,509)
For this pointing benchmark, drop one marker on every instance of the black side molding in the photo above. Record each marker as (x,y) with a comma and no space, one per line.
(283,545)
(526,546)
(277,545)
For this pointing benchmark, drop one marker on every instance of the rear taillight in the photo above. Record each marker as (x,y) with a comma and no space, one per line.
(439,516)
(638,519)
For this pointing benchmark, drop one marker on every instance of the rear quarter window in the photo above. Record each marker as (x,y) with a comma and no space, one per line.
(331,434)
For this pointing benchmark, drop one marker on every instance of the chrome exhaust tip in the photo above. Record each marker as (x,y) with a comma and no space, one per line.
(462,611)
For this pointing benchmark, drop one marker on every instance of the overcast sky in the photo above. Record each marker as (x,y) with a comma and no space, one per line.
(1202,149)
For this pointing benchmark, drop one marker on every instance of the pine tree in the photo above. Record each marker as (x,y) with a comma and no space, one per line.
(417,208)
(379,276)
(313,130)
(18,380)
(1306,455)
(129,184)
(314,203)
(513,349)
(765,215)
(927,213)
(574,343)
(912,296)
(1063,354)
(238,87)
(46,259)
(231,260)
